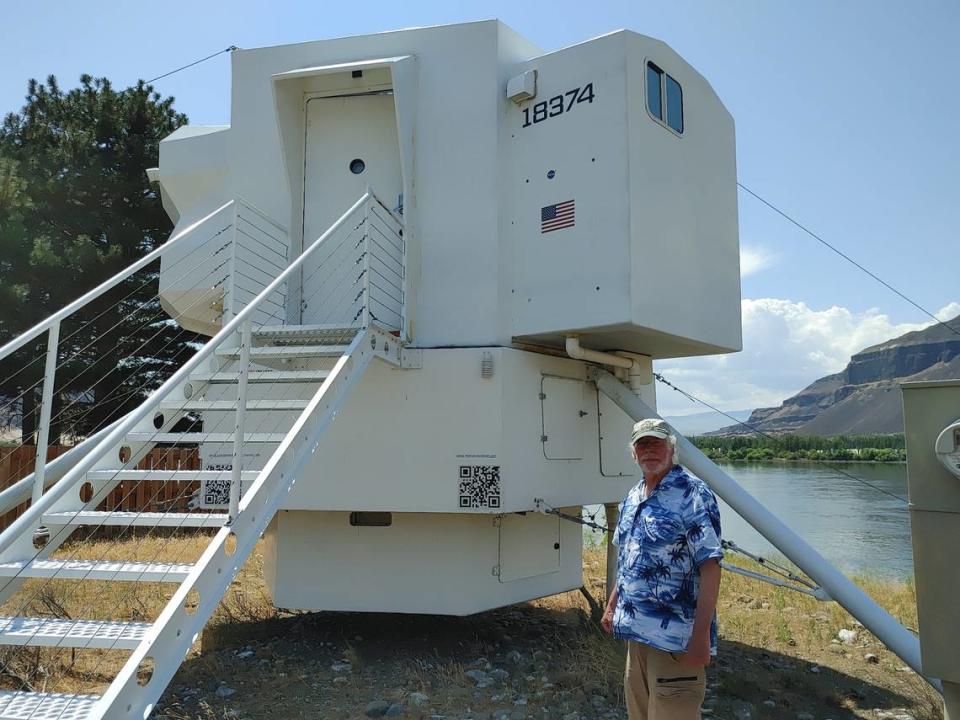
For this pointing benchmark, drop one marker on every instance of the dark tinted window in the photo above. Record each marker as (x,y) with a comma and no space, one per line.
(674,105)
(654,93)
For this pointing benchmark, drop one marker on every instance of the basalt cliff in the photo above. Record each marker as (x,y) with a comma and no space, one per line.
(865,397)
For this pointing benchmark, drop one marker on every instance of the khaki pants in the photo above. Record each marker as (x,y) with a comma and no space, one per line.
(657,687)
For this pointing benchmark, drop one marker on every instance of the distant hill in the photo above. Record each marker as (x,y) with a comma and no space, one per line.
(703,423)
(865,397)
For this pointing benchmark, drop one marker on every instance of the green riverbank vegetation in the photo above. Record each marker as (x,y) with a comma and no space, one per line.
(842,448)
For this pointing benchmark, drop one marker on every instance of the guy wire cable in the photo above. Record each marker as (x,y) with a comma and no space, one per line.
(849,259)
(662,379)
(190,65)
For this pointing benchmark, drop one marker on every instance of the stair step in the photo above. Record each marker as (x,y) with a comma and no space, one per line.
(199,437)
(262,376)
(322,334)
(45,706)
(286,352)
(209,405)
(166,475)
(116,570)
(126,519)
(55,632)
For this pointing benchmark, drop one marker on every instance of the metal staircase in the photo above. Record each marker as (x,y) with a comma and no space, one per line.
(255,400)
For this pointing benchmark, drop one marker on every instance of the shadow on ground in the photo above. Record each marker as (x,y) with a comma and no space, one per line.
(774,685)
(558,663)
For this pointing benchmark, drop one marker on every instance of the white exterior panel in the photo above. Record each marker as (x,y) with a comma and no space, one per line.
(404,435)
(651,264)
(685,251)
(422,563)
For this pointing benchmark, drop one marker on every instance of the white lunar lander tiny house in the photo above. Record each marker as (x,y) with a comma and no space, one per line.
(471,145)
(488,223)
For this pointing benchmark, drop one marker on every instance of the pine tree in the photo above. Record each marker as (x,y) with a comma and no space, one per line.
(75,208)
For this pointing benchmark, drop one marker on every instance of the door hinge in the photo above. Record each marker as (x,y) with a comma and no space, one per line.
(495,571)
(543,396)
(543,438)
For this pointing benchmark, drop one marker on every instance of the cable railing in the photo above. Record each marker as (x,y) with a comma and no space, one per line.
(351,260)
(14,495)
(353,283)
(207,254)
(260,248)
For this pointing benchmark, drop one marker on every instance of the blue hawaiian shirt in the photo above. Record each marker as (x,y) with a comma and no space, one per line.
(663,540)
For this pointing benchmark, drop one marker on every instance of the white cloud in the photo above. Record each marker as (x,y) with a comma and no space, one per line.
(754,259)
(786,346)
(949,312)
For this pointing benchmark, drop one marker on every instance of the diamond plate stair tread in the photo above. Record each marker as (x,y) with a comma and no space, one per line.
(113,570)
(287,351)
(45,706)
(146,437)
(126,519)
(56,632)
(258,376)
(165,475)
(324,334)
(230,405)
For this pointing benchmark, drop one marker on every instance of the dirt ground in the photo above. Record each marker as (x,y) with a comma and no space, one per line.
(779,657)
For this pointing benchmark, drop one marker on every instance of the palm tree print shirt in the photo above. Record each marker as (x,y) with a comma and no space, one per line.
(662,541)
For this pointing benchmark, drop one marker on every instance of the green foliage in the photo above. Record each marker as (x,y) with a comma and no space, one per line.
(759,448)
(76,208)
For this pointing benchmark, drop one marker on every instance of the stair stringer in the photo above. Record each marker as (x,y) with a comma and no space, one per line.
(173,633)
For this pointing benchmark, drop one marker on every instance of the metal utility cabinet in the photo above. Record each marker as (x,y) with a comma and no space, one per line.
(931,413)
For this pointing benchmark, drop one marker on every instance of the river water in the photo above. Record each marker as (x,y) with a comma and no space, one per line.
(857,528)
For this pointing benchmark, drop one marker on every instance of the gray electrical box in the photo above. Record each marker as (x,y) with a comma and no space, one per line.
(928,409)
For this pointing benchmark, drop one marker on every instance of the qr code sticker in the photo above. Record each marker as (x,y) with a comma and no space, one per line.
(479,486)
(215,493)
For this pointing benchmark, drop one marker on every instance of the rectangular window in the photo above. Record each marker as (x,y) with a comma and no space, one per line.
(654,95)
(660,87)
(674,105)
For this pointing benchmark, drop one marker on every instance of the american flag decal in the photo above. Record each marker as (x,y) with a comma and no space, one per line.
(557,217)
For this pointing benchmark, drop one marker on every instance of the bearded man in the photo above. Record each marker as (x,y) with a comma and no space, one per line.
(668,578)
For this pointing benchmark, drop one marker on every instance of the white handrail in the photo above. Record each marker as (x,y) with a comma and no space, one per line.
(19,492)
(64,312)
(32,516)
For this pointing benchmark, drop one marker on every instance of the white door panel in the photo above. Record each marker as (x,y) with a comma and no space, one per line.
(351,143)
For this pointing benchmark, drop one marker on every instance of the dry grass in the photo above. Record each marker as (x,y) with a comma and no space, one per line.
(770,640)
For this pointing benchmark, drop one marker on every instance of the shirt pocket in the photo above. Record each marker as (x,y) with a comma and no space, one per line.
(658,528)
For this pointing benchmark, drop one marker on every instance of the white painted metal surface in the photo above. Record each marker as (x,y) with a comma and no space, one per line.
(446,416)
(427,109)
(351,144)
(52,632)
(46,706)
(114,570)
(455,557)
(118,518)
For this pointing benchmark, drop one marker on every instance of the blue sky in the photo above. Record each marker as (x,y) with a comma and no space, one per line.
(845,113)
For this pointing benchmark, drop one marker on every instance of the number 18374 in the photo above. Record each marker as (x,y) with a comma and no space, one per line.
(557,105)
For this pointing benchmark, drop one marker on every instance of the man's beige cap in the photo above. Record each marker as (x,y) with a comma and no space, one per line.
(650,427)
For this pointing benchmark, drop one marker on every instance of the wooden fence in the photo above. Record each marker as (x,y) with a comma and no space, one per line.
(138,496)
